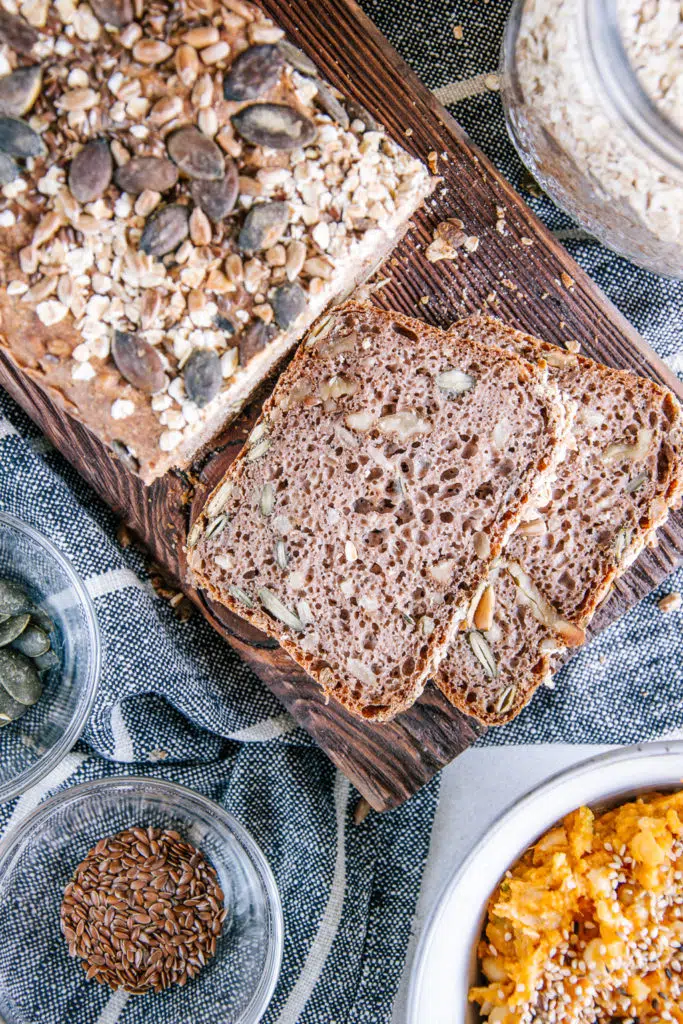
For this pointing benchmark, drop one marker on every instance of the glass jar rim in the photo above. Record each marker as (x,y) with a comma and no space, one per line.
(609,61)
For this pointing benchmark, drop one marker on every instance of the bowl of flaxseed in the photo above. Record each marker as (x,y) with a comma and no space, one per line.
(139,894)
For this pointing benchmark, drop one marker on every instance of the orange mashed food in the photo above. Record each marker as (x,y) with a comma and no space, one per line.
(587,927)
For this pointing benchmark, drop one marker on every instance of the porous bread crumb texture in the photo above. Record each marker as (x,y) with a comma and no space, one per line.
(574,142)
(372,497)
(621,475)
(181,176)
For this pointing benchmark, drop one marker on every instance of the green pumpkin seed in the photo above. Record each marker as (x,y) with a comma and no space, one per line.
(19,677)
(272,603)
(42,619)
(32,642)
(12,628)
(46,662)
(483,653)
(506,700)
(10,709)
(13,599)
(241,596)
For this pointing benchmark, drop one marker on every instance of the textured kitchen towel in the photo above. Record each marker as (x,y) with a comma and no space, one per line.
(176,702)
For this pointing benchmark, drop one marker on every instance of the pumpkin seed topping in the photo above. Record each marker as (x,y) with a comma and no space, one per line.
(202,376)
(138,362)
(165,230)
(90,171)
(19,91)
(274,125)
(143,173)
(18,139)
(253,73)
(196,155)
(17,33)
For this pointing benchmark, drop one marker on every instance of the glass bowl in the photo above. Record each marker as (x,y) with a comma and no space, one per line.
(36,743)
(41,984)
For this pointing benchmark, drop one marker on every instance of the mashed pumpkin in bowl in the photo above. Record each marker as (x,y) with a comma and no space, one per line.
(587,926)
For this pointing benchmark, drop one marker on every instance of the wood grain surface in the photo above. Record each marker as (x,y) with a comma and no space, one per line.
(536,287)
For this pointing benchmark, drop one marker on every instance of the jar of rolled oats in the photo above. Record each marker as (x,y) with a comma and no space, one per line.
(593,97)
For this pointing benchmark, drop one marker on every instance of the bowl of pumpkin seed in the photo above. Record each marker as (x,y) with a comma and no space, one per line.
(49,656)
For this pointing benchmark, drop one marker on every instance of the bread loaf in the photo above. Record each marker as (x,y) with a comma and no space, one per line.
(622,473)
(373,496)
(187,198)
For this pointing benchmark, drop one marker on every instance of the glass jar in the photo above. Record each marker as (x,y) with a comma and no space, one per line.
(577,85)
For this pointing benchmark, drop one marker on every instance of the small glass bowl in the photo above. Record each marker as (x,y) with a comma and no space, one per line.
(35,744)
(41,984)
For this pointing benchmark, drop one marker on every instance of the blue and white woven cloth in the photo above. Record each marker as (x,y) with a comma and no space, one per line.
(177,703)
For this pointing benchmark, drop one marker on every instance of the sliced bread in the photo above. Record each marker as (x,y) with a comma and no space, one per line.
(622,474)
(368,506)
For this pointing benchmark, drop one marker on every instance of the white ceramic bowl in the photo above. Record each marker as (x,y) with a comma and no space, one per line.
(445,963)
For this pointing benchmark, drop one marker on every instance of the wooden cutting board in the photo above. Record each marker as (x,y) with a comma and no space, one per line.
(534,286)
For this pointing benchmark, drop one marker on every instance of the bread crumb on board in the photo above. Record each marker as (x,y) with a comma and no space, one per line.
(670,602)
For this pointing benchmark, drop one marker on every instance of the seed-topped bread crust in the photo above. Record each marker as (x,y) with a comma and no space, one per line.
(622,474)
(180,196)
(369,502)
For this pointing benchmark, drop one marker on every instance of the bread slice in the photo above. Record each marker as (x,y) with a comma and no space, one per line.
(622,474)
(195,196)
(368,507)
